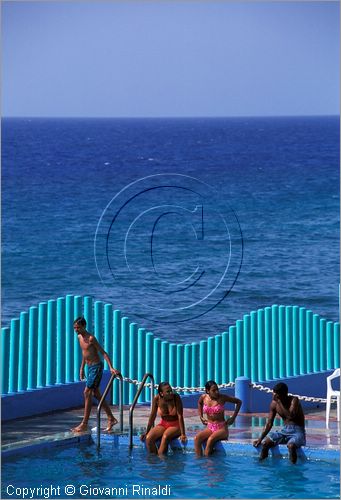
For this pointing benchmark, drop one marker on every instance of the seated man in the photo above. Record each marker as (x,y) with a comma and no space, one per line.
(293,432)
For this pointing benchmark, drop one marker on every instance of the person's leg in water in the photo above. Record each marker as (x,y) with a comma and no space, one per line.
(199,439)
(266,445)
(292,449)
(216,436)
(152,436)
(167,436)
(295,442)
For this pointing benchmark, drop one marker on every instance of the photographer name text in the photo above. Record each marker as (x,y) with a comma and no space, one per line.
(87,490)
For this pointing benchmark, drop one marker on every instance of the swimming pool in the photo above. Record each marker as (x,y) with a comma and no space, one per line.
(114,472)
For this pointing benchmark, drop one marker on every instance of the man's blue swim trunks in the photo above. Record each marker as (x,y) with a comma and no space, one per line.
(94,375)
(290,434)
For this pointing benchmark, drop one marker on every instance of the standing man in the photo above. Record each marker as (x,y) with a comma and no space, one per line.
(293,432)
(90,356)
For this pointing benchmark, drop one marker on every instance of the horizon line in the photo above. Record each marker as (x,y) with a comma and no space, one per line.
(73,117)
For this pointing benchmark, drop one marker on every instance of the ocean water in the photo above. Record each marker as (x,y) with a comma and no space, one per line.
(183,224)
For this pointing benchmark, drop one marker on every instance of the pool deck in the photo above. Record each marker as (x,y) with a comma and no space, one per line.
(52,427)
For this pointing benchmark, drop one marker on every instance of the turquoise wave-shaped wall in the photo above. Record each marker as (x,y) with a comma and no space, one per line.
(40,348)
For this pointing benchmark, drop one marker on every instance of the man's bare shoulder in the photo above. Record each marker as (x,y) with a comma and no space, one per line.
(87,338)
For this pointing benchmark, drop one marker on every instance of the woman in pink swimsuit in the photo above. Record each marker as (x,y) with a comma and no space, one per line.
(212,403)
(169,407)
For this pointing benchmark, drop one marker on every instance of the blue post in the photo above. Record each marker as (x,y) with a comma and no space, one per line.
(77,306)
(164,361)
(69,319)
(125,356)
(99,331)
(77,353)
(323,344)
(203,362)
(132,360)
(88,313)
(260,344)
(268,343)
(247,345)
(14,356)
(296,340)
(232,353)
(157,361)
(23,352)
(281,341)
(288,341)
(32,348)
(108,333)
(243,391)
(316,343)
(187,367)
(5,336)
(224,359)
(210,358)
(336,345)
(41,359)
(275,357)
(254,347)
(195,365)
(330,346)
(217,359)
(116,359)
(51,342)
(149,359)
(303,342)
(239,348)
(141,359)
(180,365)
(309,345)
(172,364)
(60,344)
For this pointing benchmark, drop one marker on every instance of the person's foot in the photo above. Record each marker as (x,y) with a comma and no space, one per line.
(111,422)
(80,428)
(292,454)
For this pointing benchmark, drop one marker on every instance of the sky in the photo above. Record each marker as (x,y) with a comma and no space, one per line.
(169,59)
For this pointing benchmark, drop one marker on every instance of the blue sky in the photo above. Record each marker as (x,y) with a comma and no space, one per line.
(179,58)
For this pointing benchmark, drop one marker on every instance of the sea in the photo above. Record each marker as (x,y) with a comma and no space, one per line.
(185,225)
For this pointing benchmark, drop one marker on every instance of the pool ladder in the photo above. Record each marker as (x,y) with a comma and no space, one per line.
(120,404)
(131,409)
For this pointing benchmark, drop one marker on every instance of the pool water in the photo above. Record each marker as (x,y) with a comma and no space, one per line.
(81,472)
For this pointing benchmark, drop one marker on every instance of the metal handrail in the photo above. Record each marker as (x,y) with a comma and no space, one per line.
(131,409)
(120,405)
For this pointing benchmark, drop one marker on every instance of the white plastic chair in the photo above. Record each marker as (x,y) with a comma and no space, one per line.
(332,393)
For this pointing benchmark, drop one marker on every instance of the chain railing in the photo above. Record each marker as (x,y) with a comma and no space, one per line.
(259,387)
(309,399)
(178,388)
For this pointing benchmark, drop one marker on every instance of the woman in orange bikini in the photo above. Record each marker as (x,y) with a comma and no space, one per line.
(212,403)
(169,407)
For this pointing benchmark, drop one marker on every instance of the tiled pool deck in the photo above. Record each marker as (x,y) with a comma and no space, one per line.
(56,426)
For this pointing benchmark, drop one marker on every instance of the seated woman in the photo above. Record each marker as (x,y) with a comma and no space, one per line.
(169,406)
(212,403)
